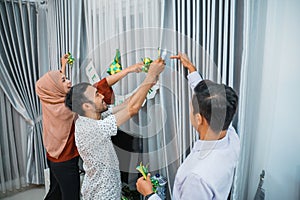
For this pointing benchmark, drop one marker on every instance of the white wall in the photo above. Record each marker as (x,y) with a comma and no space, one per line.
(275,126)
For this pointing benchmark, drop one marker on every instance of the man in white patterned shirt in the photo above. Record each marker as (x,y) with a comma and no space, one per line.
(92,134)
(207,173)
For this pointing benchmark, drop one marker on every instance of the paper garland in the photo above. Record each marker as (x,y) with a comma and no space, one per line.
(115,66)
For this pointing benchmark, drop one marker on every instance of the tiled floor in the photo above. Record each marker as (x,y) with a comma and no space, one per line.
(34,193)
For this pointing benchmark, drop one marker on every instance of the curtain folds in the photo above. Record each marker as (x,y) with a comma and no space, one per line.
(92,30)
(205,30)
(133,27)
(33,38)
(18,73)
(254,38)
(65,34)
(13,157)
(212,41)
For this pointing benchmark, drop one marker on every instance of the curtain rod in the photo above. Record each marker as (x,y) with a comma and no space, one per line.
(26,1)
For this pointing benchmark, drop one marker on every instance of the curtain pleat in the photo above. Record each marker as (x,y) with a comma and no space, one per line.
(220,31)
(206,32)
(92,31)
(254,24)
(19,60)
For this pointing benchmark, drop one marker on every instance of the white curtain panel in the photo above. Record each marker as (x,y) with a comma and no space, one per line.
(133,27)
(269,116)
(253,42)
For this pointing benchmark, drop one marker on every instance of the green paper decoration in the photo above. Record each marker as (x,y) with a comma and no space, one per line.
(115,66)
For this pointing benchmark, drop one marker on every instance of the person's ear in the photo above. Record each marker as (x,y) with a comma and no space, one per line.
(86,106)
(199,119)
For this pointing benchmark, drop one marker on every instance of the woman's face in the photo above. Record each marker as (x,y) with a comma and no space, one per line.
(66,83)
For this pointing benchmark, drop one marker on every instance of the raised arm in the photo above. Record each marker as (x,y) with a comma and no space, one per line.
(193,77)
(185,62)
(136,100)
(112,79)
(64,60)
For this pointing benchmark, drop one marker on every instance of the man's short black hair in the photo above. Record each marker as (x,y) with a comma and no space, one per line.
(75,98)
(217,103)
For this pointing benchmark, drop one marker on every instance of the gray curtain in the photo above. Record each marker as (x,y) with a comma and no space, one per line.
(13,145)
(34,35)
(20,108)
(65,34)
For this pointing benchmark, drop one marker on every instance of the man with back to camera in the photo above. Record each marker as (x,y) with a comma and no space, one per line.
(92,134)
(207,173)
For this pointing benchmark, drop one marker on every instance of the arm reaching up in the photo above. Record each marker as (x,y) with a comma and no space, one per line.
(104,85)
(112,79)
(193,77)
(64,60)
(185,61)
(136,100)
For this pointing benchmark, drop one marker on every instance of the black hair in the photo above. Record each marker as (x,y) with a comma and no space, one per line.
(217,103)
(75,98)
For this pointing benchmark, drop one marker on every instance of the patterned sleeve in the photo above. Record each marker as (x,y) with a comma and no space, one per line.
(108,126)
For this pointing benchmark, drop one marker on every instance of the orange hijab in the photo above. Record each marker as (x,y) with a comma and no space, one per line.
(57,118)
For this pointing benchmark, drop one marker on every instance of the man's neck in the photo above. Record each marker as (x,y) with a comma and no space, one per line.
(92,115)
(209,134)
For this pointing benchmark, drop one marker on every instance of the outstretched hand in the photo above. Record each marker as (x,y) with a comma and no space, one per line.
(135,68)
(144,186)
(156,67)
(185,61)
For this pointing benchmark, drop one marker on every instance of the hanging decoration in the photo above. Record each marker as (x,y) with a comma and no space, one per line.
(115,66)
(71,59)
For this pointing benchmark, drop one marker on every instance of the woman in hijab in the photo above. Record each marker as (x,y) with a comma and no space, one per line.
(58,135)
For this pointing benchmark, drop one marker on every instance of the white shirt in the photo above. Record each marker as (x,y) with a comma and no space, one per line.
(193,79)
(93,140)
(207,173)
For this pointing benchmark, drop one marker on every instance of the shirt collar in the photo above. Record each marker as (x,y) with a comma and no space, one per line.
(206,145)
